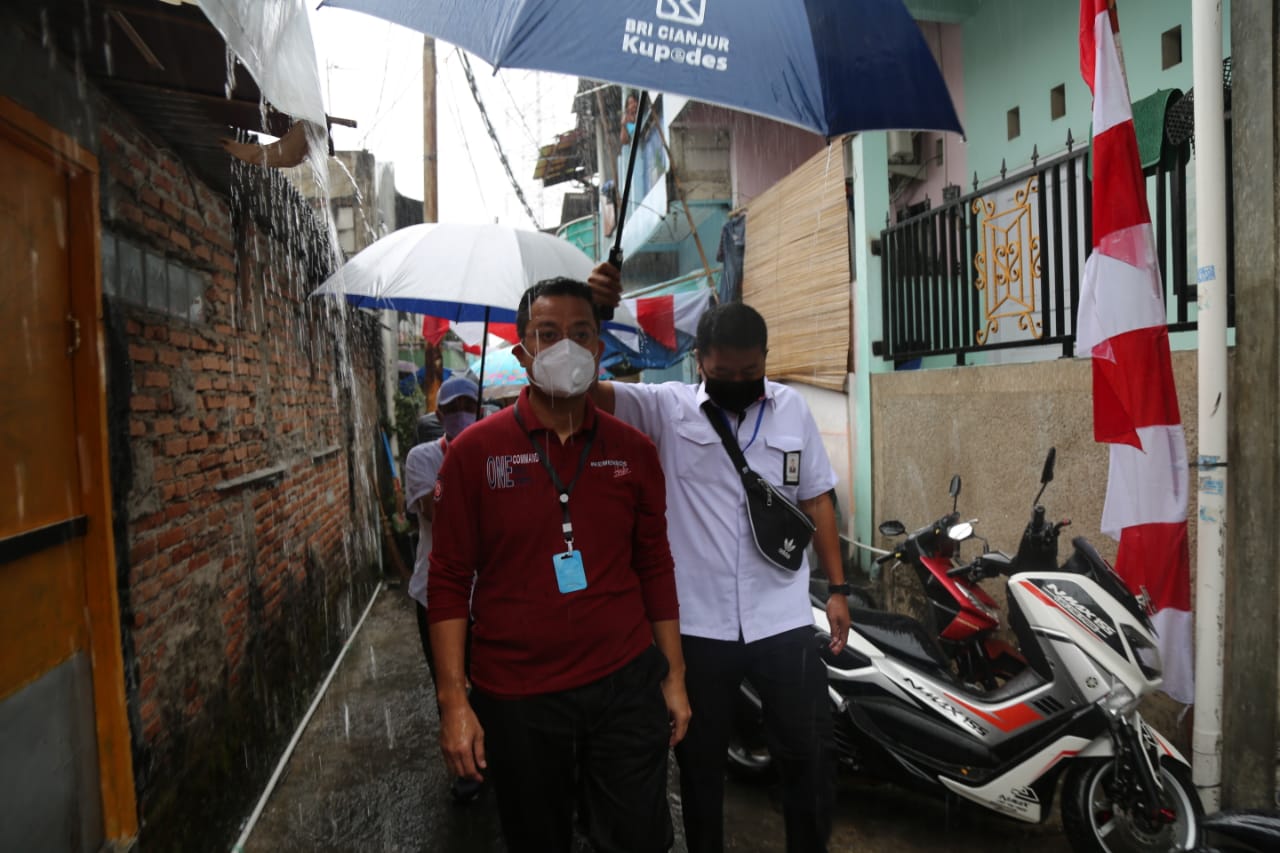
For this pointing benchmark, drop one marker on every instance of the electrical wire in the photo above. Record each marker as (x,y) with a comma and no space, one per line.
(466,144)
(493,135)
(515,105)
(382,83)
(413,84)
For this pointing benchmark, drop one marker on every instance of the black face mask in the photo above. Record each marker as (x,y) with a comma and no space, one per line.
(734,396)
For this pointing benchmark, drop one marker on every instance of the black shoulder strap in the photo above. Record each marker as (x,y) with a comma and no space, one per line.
(729,439)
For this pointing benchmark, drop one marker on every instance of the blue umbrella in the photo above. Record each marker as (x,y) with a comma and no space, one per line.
(831,66)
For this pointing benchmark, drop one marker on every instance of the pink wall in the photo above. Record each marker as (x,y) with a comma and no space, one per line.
(946,42)
(762,151)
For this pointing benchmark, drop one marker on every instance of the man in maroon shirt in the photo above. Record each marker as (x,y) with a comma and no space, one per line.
(557,511)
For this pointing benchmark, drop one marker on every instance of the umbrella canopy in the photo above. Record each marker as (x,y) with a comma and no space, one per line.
(456,272)
(832,66)
(504,376)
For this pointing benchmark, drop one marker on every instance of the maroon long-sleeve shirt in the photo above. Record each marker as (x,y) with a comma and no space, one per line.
(498,520)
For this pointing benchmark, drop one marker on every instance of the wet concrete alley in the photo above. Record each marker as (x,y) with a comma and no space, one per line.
(367,775)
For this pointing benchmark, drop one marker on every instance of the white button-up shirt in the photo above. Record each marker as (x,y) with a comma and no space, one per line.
(421,467)
(726,589)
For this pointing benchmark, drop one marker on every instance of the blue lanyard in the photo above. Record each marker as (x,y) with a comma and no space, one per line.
(754,432)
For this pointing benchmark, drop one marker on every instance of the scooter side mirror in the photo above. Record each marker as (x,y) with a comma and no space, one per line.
(892,528)
(960,532)
(954,489)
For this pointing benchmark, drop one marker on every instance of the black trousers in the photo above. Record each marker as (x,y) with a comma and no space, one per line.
(601,747)
(788,673)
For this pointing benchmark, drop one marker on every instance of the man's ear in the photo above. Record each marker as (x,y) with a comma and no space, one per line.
(522,356)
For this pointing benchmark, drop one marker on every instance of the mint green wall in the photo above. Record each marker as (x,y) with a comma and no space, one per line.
(868,154)
(1015,51)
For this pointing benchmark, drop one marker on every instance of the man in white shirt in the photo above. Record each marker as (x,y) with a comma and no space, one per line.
(456,406)
(740,615)
(457,402)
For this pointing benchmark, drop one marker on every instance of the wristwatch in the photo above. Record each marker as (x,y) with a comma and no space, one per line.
(842,588)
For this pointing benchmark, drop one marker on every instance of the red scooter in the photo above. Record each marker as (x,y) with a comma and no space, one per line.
(961,614)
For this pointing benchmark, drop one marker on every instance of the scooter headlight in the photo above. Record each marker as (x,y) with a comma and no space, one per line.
(1120,701)
(1145,654)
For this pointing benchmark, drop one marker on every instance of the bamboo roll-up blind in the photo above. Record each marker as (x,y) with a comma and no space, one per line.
(796,271)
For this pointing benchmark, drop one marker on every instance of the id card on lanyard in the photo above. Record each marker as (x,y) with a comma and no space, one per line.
(571,575)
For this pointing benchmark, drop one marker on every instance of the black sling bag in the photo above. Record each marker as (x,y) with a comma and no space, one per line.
(780,529)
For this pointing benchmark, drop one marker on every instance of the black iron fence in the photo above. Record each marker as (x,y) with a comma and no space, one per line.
(1000,268)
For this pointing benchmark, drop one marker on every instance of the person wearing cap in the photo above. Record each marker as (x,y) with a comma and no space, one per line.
(457,402)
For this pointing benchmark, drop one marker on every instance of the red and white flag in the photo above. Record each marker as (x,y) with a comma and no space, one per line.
(471,333)
(660,318)
(1122,325)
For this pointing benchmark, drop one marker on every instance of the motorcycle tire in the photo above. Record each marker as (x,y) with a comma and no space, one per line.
(1093,825)
(748,763)
(748,757)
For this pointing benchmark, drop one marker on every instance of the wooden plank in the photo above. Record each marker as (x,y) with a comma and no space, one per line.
(99,606)
(41,614)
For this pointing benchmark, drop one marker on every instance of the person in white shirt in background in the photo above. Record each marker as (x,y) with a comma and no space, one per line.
(457,402)
(739,614)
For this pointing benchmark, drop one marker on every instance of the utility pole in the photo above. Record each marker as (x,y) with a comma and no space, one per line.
(430,189)
(1253,585)
(430,195)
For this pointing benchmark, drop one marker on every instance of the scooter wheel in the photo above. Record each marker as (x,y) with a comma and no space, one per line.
(748,756)
(750,764)
(1095,823)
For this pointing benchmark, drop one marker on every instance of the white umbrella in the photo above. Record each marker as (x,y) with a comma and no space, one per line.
(455,272)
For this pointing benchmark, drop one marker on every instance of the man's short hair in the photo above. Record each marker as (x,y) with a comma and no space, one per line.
(559,286)
(732,324)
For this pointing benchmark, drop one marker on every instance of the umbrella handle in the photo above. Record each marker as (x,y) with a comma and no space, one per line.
(615,253)
(615,260)
(484,351)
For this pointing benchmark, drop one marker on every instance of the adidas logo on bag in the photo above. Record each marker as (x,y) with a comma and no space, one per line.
(788,545)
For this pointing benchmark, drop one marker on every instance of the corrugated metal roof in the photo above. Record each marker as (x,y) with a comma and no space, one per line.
(168,66)
(561,160)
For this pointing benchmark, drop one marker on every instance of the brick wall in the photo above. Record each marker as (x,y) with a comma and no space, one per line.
(249,548)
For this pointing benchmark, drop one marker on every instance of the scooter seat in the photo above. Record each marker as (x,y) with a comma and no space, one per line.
(903,638)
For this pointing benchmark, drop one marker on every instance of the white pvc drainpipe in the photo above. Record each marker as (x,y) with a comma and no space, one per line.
(238,847)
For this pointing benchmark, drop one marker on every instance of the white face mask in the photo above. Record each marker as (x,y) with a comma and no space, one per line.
(564,369)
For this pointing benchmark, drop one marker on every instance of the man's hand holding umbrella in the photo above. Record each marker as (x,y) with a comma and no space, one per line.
(605,282)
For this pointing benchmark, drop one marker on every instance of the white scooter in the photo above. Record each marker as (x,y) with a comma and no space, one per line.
(901,713)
